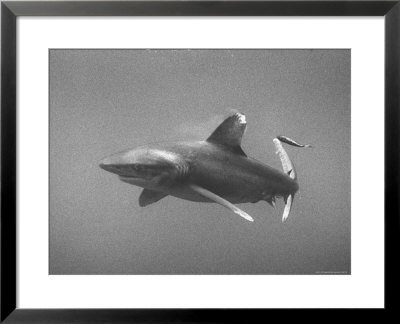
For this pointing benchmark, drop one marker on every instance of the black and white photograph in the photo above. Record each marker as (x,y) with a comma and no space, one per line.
(199,161)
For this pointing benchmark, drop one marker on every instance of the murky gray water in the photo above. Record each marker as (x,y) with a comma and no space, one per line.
(104,101)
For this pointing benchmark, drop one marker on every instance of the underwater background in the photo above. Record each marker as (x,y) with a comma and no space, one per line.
(105,101)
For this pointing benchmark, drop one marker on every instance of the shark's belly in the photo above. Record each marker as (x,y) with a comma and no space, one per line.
(237,181)
(191,195)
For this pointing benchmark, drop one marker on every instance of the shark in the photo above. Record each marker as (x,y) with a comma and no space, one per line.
(215,170)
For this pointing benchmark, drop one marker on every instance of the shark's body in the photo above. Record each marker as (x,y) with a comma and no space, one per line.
(214,170)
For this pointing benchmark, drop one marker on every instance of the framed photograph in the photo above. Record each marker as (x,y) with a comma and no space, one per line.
(190,161)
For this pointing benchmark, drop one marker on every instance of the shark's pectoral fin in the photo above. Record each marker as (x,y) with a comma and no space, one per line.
(219,200)
(148,197)
(288,207)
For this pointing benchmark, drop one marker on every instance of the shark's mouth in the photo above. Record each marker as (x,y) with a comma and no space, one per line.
(140,172)
(143,176)
(132,177)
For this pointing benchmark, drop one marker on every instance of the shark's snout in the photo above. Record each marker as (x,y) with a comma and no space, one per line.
(143,166)
(113,163)
(105,164)
(134,163)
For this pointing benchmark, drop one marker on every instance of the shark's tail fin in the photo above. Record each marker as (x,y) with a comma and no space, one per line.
(288,168)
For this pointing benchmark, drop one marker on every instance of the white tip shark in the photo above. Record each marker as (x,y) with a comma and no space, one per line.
(214,170)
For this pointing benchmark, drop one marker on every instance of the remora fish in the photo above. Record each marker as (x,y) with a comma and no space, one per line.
(289,141)
(215,170)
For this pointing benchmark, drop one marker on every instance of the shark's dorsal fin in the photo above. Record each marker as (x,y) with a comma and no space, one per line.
(148,197)
(230,132)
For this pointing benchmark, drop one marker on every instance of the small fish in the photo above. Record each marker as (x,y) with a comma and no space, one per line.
(289,141)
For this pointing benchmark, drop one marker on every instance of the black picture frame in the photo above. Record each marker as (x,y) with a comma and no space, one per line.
(11,10)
